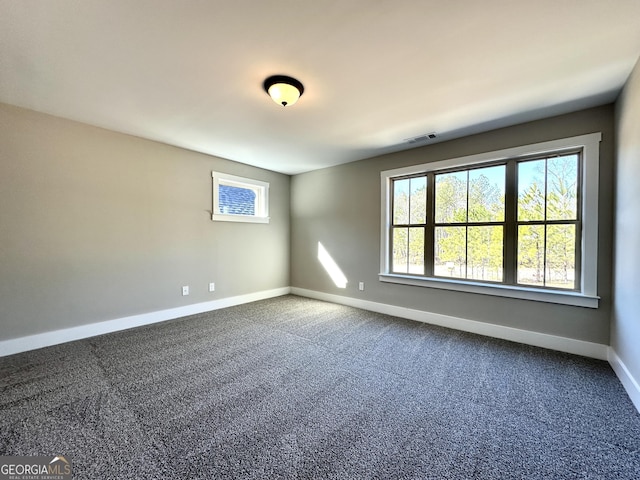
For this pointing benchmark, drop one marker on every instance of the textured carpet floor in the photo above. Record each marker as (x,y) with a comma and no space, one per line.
(295,388)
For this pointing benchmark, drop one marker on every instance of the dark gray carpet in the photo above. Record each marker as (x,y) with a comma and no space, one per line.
(296,388)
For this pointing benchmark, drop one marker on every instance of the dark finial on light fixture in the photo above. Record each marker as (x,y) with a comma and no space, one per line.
(283,90)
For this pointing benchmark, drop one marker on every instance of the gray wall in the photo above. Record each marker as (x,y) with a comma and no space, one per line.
(625,327)
(340,207)
(98,225)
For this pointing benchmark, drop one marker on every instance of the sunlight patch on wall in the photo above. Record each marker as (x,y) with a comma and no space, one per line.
(331,267)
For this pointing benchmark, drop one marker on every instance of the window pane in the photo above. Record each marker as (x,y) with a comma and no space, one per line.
(451,197)
(416,250)
(236,200)
(485,253)
(418,203)
(561,256)
(401,202)
(486,194)
(400,261)
(450,252)
(562,188)
(239,199)
(531,190)
(531,254)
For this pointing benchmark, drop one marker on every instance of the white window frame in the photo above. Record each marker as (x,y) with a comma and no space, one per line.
(261,207)
(586,297)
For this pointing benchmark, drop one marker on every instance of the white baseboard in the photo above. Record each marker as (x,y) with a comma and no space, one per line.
(33,342)
(629,383)
(552,342)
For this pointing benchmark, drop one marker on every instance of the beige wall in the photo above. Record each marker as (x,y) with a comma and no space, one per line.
(98,225)
(340,207)
(625,328)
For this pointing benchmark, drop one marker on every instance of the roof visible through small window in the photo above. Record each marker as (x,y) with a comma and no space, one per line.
(236,200)
(239,199)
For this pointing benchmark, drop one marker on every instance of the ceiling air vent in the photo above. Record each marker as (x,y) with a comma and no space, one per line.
(422,138)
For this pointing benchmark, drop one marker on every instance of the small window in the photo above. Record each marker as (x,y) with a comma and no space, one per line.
(238,199)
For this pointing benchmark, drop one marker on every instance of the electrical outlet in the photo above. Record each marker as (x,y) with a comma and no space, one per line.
(185,290)
(212,287)
(361,286)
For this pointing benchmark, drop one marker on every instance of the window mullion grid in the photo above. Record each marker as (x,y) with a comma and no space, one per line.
(513,224)
(578,237)
(510,226)
(409,225)
(577,282)
(393,244)
(408,246)
(466,233)
(544,237)
(391,222)
(510,239)
(429,228)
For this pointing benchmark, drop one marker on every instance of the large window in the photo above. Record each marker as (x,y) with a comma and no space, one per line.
(520,222)
(239,199)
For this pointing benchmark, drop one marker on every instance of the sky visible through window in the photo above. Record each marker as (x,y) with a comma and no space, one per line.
(495,177)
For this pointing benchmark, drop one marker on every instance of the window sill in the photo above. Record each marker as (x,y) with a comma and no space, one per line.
(217,217)
(523,293)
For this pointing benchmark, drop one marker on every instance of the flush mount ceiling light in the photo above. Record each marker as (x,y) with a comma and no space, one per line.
(283,90)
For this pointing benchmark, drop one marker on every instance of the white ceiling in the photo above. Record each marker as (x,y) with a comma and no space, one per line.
(376,72)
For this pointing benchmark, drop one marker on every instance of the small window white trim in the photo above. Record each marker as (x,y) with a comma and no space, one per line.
(587,297)
(261,207)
